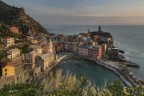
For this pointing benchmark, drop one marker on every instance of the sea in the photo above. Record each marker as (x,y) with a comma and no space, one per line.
(129,38)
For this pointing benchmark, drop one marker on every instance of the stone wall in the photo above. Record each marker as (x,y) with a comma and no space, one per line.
(6,80)
(19,66)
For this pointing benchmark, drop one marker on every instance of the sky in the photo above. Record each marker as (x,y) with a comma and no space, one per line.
(83,12)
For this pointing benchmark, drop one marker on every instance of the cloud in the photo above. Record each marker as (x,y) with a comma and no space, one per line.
(101,11)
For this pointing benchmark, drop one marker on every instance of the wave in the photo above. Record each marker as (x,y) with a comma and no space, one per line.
(127,58)
(127,53)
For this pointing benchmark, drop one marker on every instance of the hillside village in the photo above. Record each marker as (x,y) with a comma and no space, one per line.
(91,44)
(27,50)
(35,53)
(17,57)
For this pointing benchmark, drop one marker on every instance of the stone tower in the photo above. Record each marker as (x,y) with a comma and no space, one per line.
(50,46)
(99,28)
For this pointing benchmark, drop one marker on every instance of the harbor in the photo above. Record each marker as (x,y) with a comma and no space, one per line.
(124,73)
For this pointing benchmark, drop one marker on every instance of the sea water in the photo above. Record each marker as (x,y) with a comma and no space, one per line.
(129,38)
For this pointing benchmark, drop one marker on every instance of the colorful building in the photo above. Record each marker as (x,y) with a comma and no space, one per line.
(33,41)
(45,61)
(114,54)
(30,57)
(14,29)
(45,48)
(8,41)
(51,47)
(13,53)
(66,46)
(83,51)
(106,40)
(8,69)
(104,48)
(60,47)
(95,52)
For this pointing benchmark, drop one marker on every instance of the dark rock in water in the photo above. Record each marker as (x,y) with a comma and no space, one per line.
(121,51)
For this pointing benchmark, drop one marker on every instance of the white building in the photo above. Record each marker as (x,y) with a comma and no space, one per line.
(8,41)
(44,61)
(51,46)
(30,57)
(13,53)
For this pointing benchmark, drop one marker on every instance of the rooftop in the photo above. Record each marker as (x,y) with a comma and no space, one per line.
(84,46)
(8,64)
(44,56)
(115,48)
(15,49)
(8,38)
(95,46)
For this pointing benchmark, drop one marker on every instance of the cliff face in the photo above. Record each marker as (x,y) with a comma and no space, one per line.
(14,16)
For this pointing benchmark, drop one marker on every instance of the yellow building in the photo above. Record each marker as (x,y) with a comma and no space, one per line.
(8,69)
(34,41)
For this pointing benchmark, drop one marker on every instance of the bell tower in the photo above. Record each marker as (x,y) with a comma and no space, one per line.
(99,28)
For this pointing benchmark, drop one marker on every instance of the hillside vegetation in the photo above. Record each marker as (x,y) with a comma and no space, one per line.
(69,85)
(14,16)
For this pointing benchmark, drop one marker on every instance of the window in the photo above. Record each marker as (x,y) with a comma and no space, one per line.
(5,70)
(5,74)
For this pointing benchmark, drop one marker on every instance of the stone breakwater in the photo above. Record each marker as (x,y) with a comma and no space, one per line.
(123,72)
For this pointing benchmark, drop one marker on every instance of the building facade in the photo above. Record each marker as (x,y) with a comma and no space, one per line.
(83,51)
(8,69)
(95,52)
(8,41)
(30,57)
(45,61)
(13,53)
(60,47)
(14,29)
(104,48)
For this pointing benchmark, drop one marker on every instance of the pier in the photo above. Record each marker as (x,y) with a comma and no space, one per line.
(132,65)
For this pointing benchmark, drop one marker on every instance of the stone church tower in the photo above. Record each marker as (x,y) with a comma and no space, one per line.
(51,46)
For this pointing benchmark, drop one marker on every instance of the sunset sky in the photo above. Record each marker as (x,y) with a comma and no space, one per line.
(83,12)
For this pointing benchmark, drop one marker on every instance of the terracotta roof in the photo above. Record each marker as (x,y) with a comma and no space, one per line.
(7,37)
(44,56)
(8,64)
(15,49)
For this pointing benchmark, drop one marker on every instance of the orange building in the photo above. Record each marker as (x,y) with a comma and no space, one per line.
(8,69)
(45,48)
(95,52)
(14,29)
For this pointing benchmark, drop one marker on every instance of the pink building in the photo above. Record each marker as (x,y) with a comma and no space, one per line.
(14,29)
(95,52)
